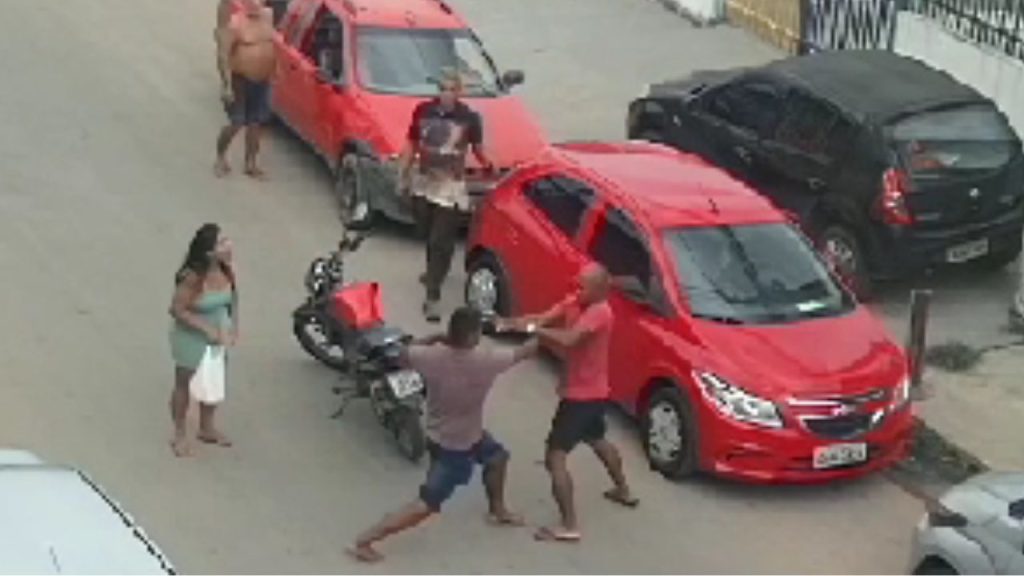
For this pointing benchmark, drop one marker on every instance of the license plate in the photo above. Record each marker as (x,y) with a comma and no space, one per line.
(967,251)
(840,455)
(405,383)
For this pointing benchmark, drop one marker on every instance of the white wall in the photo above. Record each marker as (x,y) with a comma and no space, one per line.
(701,11)
(992,73)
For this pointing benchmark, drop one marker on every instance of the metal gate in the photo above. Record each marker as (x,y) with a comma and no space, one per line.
(847,25)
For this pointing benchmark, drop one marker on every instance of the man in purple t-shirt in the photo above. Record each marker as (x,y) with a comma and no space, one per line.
(459,375)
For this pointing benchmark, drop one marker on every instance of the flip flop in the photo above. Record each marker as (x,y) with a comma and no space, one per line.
(547,534)
(221,170)
(614,496)
(180,449)
(511,520)
(364,555)
(257,174)
(219,440)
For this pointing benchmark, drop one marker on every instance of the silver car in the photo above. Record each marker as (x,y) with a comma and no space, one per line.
(977,527)
(55,520)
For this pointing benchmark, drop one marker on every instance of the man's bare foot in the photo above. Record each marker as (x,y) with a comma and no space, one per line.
(505,518)
(214,437)
(181,447)
(221,168)
(364,553)
(256,172)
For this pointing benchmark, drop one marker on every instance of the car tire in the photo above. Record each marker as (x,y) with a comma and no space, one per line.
(350,192)
(935,567)
(844,255)
(651,135)
(487,287)
(670,434)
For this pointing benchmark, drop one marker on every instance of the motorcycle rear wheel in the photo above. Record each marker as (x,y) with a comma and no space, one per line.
(408,431)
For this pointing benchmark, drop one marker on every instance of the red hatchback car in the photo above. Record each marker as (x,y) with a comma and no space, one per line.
(352,71)
(738,351)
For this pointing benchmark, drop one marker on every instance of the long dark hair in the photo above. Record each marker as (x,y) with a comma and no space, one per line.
(199,259)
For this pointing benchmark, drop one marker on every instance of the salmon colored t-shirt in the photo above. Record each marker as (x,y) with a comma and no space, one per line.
(587,363)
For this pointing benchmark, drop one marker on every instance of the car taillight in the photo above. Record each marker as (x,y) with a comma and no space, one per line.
(893,202)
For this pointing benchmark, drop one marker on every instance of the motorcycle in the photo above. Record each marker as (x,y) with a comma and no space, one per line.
(342,325)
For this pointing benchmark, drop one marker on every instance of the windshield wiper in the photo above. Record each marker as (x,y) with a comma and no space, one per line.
(731,320)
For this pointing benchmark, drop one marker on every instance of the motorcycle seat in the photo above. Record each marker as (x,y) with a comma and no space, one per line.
(378,336)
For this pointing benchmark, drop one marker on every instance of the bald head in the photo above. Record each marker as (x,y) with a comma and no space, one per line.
(595,282)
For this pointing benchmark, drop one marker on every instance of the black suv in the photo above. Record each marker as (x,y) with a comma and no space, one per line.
(890,166)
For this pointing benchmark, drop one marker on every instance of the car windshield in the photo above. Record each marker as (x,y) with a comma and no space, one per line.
(954,140)
(410,62)
(753,274)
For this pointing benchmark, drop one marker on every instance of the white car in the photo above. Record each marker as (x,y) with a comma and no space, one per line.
(55,520)
(977,527)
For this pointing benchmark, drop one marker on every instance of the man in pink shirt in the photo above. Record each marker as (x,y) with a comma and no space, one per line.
(585,338)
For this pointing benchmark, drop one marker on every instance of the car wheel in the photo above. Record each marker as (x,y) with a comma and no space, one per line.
(670,433)
(651,135)
(487,286)
(934,566)
(353,202)
(843,254)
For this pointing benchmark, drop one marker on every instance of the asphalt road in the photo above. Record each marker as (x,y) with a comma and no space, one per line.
(108,113)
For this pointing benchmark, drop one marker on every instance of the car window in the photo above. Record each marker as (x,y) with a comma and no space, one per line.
(812,126)
(752,105)
(619,247)
(960,139)
(300,29)
(749,274)
(563,200)
(326,47)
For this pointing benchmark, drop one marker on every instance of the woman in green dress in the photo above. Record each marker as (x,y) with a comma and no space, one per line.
(205,314)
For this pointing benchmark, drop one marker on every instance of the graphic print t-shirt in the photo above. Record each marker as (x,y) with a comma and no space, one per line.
(444,137)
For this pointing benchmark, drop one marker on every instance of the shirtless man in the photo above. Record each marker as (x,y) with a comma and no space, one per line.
(247,59)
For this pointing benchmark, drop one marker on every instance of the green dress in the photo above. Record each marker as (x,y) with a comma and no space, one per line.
(188,345)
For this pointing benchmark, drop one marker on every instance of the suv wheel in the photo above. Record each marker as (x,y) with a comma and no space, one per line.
(487,286)
(353,202)
(670,433)
(843,254)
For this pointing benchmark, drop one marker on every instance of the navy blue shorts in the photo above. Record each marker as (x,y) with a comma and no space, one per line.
(251,105)
(450,469)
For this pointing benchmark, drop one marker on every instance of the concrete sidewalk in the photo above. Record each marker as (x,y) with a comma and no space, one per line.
(981,410)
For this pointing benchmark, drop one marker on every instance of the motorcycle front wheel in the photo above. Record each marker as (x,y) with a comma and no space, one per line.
(408,431)
(312,336)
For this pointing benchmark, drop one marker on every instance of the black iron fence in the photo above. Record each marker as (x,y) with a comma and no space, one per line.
(998,24)
(871,24)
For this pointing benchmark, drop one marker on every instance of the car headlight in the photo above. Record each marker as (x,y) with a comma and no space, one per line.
(901,395)
(737,403)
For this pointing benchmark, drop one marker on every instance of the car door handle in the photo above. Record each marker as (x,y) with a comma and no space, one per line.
(815,184)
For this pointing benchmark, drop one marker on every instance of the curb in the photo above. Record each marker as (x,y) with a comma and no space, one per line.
(935,464)
(676,8)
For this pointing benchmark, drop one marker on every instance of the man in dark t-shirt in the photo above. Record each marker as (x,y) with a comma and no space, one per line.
(442,132)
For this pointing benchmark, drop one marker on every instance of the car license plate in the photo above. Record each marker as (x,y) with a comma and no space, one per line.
(967,251)
(839,455)
(405,383)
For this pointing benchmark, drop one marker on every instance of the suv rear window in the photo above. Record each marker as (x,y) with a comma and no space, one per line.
(954,140)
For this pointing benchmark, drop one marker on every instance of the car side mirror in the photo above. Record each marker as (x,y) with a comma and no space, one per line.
(632,289)
(513,78)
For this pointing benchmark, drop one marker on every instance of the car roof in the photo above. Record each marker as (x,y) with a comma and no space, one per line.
(873,84)
(55,520)
(401,13)
(669,188)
